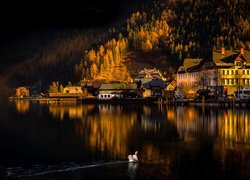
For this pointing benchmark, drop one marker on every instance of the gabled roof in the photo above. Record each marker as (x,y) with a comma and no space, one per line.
(149,73)
(118,86)
(188,63)
(229,56)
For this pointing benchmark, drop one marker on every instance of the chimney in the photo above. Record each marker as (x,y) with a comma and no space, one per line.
(222,50)
(242,51)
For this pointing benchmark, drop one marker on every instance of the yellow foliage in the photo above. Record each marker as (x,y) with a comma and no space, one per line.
(22,92)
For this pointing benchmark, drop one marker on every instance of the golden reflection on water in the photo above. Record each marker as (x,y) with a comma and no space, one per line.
(232,125)
(22,106)
(107,129)
(73,111)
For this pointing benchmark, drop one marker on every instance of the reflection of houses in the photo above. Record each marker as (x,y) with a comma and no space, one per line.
(117,90)
(234,126)
(151,82)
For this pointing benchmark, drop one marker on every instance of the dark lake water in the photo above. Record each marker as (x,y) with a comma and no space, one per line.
(51,141)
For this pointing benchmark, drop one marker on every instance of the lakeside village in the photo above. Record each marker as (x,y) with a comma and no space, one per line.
(224,78)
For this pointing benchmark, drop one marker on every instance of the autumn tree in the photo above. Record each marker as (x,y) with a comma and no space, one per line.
(22,92)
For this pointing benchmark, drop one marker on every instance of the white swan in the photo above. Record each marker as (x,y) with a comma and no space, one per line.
(133,158)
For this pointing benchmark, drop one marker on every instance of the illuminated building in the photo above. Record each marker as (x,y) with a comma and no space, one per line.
(195,74)
(233,69)
(229,69)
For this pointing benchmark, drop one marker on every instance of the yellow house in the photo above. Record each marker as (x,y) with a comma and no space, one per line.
(233,68)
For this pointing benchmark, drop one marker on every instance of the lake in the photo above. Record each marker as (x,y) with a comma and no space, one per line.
(92,141)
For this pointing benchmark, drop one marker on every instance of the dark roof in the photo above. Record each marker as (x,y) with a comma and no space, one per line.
(227,59)
(154,83)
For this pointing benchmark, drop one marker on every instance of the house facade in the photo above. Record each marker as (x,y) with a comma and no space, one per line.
(151,83)
(233,69)
(117,90)
(226,72)
(195,74)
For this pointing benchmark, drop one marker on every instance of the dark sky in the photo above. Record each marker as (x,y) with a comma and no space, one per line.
(24,13)
(26,26)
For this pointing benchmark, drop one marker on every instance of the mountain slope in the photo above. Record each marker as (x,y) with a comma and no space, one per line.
(157,34)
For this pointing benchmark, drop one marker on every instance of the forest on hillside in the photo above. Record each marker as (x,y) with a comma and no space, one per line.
(173,29)
(189,28)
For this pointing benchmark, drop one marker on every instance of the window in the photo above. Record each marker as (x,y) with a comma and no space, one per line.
(223,72)
(227,72)
(243,71)
(232,72)
(232,81)
(236,72)
(223,81)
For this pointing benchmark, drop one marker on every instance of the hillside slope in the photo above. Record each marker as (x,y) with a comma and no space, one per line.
(152,33)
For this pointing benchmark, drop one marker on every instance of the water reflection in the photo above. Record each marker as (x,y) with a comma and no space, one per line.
(227,124)
(132,168)
(22,106)
(174,142)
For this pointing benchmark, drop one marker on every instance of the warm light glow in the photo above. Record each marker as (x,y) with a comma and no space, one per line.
(22,106)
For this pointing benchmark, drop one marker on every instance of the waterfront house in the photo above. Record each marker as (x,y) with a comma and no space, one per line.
(151,83)
(170,89)
(91,88)
(195,74)
(117,90)
(226,72)
(233,69)
(152,87)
